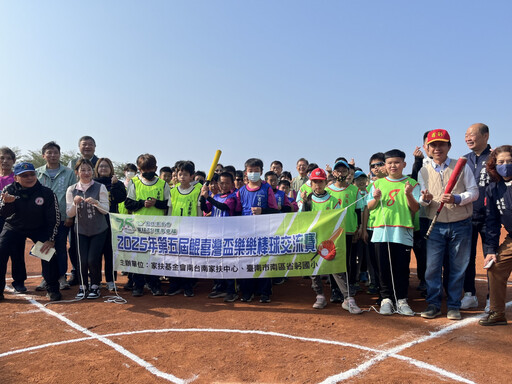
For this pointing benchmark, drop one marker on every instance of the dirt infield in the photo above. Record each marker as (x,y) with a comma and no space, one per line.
(178,339)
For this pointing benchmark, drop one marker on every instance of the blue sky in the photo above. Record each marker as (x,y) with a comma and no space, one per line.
(269,79)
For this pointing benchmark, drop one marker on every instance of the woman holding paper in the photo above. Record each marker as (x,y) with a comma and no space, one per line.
(87,200)
(498,259)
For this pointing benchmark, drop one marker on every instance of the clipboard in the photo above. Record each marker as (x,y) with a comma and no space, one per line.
(36,251)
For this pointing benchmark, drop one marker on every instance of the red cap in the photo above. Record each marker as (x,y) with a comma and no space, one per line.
(438,135)
(318,174)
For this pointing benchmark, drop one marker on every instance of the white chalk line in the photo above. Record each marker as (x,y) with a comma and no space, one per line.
(393,352)
(381,354)
(118,348)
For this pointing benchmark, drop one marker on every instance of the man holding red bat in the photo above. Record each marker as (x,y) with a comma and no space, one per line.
(449,194)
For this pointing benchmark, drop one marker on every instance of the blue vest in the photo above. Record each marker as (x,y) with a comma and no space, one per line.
(216,212)
(258,198)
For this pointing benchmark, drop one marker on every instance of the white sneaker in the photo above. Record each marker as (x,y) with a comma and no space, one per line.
(468,301)
(386,307)
(403,308)
(487,306)
(349,304)
(320,302)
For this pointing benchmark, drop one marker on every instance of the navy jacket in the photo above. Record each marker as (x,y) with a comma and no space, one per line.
(35,209)
(477,165)
(498,204)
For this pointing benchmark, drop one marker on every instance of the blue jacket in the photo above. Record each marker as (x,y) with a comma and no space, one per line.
(477,165)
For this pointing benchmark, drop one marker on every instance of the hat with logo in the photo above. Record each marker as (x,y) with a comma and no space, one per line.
(23,167)
(438,135)
(318,174)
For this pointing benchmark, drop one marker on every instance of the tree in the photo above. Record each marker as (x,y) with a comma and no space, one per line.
(35,157)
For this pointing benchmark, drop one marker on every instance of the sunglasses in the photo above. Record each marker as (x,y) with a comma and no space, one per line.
(239,179)
(376,165)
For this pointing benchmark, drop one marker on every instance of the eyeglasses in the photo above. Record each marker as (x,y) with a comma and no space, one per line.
(376,165)
(237,179)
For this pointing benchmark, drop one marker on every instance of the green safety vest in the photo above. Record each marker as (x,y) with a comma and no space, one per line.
(185,205)
(144,192)
(331,203)
(394,210)
(346,197)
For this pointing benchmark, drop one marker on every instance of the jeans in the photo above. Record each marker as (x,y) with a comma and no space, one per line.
(456,238)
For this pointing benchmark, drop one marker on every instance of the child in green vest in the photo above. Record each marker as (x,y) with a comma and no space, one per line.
(377,171)
(394,202)
(147,195)
(184,201)
(346,194)
(319,199)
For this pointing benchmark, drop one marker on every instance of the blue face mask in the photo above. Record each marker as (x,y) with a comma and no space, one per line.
(504,170)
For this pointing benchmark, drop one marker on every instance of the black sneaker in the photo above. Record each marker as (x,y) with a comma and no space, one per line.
(54,296)
(264,299)
(336,296)
(82,293)
(173,291)
(73,280)
(230,298)
(19,288)
(216,294)
(128,286)
(247,298)
(137,292)
(94,293)
(188,293)
(157,291)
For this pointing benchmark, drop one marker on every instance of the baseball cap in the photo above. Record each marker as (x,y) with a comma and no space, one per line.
(23,167)
(359,174)
(342,163)
(318,174)
(438,135)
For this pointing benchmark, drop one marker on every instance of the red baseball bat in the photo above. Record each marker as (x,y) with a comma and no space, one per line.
(459,167)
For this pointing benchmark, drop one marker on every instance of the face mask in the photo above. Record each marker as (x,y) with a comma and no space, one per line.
(253,176)
(148,175)
(504,170)
(130,175)
(341,179)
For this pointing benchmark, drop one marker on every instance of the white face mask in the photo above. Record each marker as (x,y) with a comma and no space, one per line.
(130,175)
(253,176)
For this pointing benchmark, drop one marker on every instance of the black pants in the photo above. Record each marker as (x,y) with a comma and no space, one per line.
(90,248)
(400,259)
(373,259)
(12,244)
(469,277)
(420,247)
(108,255)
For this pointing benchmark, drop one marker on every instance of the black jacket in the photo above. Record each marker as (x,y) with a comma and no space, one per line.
(35,209)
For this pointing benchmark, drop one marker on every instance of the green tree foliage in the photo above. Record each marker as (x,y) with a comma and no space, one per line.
(36,158)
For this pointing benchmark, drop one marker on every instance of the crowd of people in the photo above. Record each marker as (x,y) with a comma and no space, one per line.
(388,214)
